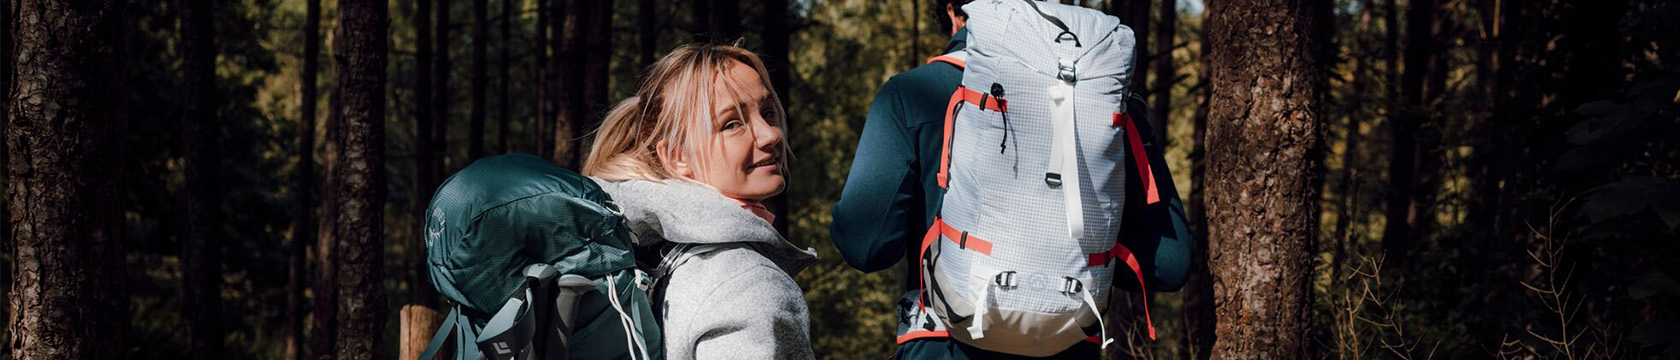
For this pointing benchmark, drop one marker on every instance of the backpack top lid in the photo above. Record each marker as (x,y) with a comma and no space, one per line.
(500,214)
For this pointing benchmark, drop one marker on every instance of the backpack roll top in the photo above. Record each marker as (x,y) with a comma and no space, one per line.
(512,238)
(1034,166)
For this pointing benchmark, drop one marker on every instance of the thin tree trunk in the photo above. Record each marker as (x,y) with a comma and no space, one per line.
(915,33)
(568,79)
(304,204)
(1349,206)
(1403,126)
(323,333)
(647,31)
(361,180)
(67,298)
(200,243)
(480,46)
(1135,14)
(441,98)
(1165,76)
(540,119)
(504,43)
(419,317)
(596,77)
(1197,296)
(776,35)
(1267,101)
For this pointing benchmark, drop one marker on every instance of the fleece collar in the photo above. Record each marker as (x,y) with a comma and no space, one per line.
(691,213)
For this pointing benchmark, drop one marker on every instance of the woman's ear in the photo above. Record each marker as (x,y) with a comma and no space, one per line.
(673,160)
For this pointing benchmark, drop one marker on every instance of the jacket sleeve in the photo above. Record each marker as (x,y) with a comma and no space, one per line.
(777,328)
(871,220)
(1158,233)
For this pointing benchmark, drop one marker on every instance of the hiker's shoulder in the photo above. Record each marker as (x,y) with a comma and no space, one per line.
(933,78)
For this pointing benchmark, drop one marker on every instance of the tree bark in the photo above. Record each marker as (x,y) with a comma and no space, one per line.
(596,78)
(1197,296)
(304,179)
(647,31)
(361,178)
(441,98)
(1165,75)
(504,43)
(67,298)
(777,58)
(1265,125)
(567,65)
(1403,127)
(419,317)
(201,240)
(480,45)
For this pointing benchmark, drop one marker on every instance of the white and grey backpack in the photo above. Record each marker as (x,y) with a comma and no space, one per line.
(1021,255)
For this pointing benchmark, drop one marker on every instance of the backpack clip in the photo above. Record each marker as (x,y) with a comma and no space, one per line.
(1064,70)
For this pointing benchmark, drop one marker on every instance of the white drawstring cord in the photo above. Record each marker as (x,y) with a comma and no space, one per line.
(630,339)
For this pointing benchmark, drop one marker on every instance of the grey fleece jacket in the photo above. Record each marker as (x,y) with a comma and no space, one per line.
(733,295)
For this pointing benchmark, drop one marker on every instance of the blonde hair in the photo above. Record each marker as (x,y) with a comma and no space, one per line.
(671,109)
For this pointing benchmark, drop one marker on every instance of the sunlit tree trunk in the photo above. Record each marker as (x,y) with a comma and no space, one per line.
(201,241)
(67,298)
(1197,295)
(1265,123)
(361,61)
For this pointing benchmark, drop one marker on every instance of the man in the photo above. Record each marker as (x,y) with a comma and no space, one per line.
(891,197)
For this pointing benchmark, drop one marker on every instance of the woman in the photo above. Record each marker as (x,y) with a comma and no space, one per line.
(688,159)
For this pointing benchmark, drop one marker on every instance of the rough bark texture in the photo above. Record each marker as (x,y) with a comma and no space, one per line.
(419,317)
(1403,127)
(480,46)
(67,299)
(1265,122)
(303,214)
(361,179)
(1197,295)
(201,240)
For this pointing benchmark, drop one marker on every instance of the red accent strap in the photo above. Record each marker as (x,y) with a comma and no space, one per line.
(922,334)
(971,243)
(948,60)
(958,97)
(941,228)
(1120,252)
(1151,193)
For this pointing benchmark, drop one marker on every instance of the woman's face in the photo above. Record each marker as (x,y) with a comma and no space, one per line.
(744,158)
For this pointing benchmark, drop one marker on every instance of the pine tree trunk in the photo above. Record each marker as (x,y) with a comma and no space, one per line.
(1197,295)
(480,46)
(67,298)
(361,178)
(540,120)
(647,31)
(304,179)
(1265,124)
(505,42)
(200,241)
(568,79)
(1165,75)
(1349,205)
(419,317)
(777,58)
(596,77)
(441,98)
(1403,127)
(323,334)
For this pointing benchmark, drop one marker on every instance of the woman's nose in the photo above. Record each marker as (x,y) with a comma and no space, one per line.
(765,135)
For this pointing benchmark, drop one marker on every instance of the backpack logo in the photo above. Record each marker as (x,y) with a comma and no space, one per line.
(502,348)
(436,230)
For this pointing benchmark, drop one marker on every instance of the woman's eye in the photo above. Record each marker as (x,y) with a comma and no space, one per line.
(732,124)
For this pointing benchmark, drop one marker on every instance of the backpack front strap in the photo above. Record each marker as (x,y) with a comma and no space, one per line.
(1120,252)
(1151,193)
(962,95)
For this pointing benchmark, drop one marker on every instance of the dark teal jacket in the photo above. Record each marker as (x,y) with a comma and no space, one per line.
(891,195)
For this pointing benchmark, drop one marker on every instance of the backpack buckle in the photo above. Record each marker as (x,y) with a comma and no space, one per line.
(1064,70)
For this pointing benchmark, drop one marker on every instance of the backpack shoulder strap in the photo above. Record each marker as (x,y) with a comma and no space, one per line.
(958,59)
(453,324)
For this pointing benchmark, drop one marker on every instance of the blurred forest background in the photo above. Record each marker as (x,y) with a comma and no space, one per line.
(242,178)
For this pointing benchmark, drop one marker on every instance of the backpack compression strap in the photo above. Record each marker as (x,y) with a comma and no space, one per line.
(1120,252)
(1145,172)
(963,95)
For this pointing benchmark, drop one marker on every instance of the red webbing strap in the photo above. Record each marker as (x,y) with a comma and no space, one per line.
(970,242)
(922,334)
(948,60)
(1120,252)
(958,97)
(1151,193)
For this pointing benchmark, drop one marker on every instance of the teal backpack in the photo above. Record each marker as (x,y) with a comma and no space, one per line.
(539,263)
